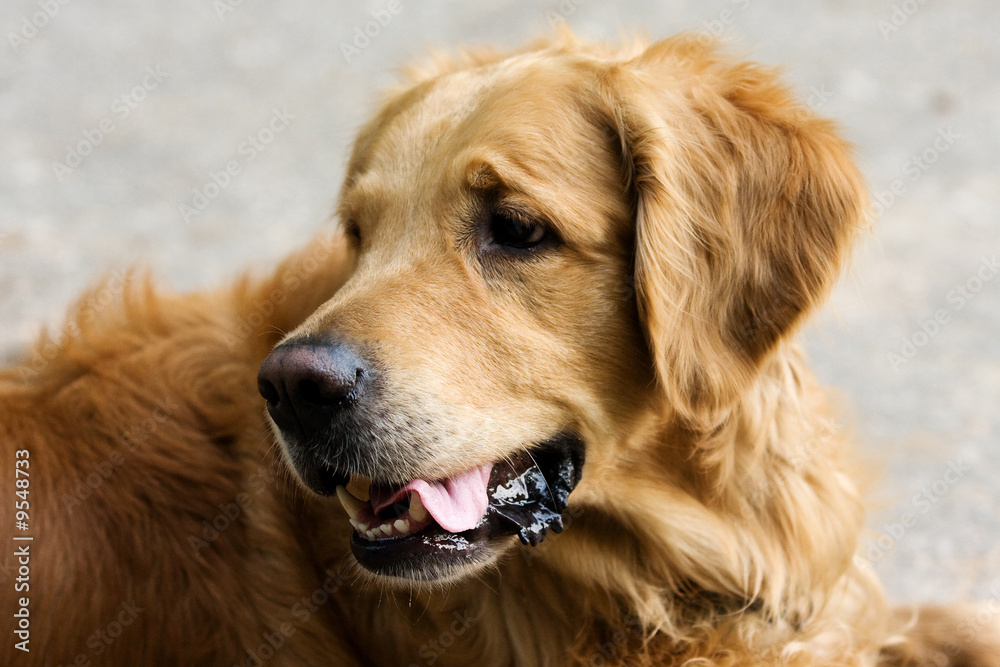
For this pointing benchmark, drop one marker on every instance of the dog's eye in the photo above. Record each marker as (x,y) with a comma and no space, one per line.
(514,230)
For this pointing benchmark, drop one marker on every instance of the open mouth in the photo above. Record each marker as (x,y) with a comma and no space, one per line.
(422,528)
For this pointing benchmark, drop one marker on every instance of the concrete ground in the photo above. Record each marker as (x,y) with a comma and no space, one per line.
(113,114)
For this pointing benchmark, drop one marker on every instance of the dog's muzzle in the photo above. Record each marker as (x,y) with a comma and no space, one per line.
(316,397)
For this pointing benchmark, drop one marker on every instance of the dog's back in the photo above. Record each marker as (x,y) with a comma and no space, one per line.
(142,441)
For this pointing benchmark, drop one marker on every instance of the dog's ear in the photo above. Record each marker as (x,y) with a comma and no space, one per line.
(746,205)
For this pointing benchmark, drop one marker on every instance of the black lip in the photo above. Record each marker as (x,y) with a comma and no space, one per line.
(321,478)
(528,494)
(421,556)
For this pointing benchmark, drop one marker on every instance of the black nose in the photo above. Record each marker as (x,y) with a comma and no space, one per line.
(305,384)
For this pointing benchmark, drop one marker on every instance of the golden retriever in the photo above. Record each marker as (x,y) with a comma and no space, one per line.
(537,405)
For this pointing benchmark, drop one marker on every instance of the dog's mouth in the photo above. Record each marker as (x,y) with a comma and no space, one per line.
(426,529)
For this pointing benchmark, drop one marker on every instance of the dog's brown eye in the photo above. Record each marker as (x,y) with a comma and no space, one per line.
(513,230)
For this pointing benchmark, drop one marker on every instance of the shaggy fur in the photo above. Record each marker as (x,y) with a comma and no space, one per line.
(700,212)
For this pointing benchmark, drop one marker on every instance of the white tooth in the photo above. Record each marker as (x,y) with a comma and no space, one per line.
(417,509)
(361,526)
(355,524)
(402,525)
(350,503)
(370,534)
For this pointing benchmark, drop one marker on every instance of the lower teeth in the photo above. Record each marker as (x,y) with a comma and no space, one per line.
(404,518)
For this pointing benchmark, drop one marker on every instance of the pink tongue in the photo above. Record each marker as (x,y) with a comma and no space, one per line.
(457,504)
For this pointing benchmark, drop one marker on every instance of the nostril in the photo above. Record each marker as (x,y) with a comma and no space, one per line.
(327,390)
(310,392)
(268,391)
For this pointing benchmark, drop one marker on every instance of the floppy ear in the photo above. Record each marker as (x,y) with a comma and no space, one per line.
(746,205)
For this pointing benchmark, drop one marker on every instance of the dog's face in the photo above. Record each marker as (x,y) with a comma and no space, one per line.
(549,246)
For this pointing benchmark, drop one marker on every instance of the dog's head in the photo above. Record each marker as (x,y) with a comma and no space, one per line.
(551,246)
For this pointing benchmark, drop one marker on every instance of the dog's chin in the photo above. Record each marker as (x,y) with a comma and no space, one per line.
(525,496)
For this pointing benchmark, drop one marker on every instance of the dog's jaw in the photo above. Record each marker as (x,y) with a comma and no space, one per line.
(526,494)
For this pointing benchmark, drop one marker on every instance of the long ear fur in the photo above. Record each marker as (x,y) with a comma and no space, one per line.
(746,205)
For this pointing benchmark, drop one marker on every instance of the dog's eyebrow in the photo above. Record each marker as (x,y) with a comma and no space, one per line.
(495,171)
(484,175)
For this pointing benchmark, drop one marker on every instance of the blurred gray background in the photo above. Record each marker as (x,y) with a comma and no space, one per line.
(113,114)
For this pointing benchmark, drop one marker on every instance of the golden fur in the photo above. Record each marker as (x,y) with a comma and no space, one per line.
(701,213)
